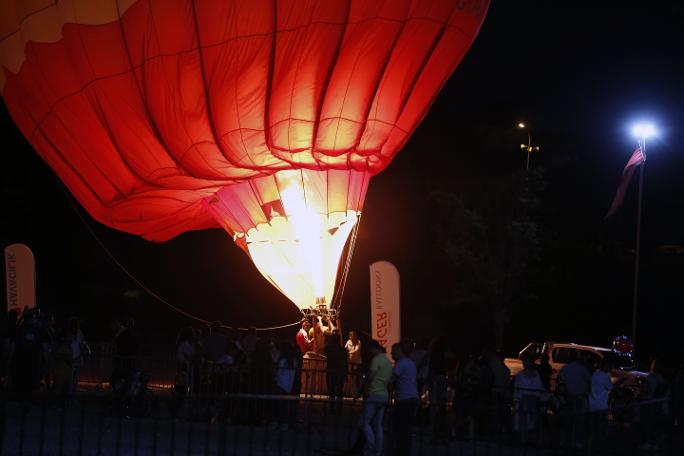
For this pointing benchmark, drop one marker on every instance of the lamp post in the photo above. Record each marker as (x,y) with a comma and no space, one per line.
(641,131)
(529,148)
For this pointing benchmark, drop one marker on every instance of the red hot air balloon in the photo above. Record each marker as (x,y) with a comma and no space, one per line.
(264,117)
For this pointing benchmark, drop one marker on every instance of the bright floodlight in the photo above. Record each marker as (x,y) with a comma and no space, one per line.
(643,130)
(521,125)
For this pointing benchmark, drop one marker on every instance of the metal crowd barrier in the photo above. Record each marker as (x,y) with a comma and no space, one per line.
(244,414)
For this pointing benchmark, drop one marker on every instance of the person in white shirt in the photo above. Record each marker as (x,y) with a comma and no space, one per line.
(353,347)
(528,390)
(601,386)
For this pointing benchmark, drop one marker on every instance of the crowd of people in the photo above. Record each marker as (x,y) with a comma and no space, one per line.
(425,385)
(39,352)
(428,386)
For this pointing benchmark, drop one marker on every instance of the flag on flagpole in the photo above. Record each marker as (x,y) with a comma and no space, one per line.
(635,160)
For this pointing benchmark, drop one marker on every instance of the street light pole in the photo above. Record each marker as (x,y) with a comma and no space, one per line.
(638,242)
(529,148)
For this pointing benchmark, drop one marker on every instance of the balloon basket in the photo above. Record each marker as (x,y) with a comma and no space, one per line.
(314,375)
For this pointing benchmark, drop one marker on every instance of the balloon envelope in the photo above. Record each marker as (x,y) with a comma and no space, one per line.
(264,117)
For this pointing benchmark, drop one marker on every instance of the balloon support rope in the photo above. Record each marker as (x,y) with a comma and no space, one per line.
(130,275)
(347,265)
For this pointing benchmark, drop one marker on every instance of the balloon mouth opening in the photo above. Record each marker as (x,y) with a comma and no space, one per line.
(299,237)
(300,256)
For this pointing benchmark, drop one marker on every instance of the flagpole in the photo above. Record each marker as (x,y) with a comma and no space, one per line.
(638,242)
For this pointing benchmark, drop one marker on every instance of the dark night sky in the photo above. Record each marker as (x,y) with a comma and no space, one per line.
(578,74)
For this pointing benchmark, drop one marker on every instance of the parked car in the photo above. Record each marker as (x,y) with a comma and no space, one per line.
(561,353)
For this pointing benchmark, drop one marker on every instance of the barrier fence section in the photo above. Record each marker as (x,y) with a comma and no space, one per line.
(227,411)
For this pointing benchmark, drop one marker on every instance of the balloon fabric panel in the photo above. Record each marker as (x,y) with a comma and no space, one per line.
(164,116)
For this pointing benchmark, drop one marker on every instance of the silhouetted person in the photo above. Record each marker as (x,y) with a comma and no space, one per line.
(336,371)
(406,397)
(27,355)
(127,346)
(528,390)
(576,378)
(655,392)
(286,382)
(545,370)
(215,346)
(500,395)
(599,394)
(249,341)
(437,383)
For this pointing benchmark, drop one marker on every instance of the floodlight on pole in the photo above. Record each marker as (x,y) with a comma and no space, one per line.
(641,131)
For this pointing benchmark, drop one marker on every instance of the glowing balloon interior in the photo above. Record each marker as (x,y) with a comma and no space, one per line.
(264,117)
(294,225)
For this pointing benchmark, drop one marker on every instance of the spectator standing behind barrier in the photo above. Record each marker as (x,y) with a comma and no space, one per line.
(575,377)
(79,349)
(501,382)
(528,390)
(27,355)
(8,331)
(601,386)
(286,375)
(678,398)
(437,385)
(336,370)
(127,345)
(250,340)
(376,398)
(545,371)
(654,411)
(215,346)
(63,368)
(186,354)
(406,396)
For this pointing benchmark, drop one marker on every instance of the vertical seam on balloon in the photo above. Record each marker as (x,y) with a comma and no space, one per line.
(344,99)
(326,81)
(380,80)
(300,57)
(239,120)
(231,213)
(269,84)
(67,163)
(104,125)
(99,113)
(156,37)
(419,73)
(38,128)
(257,196)
(210,115)
(153,125)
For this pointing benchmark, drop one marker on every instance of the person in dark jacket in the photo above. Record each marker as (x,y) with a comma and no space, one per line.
(336,369)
